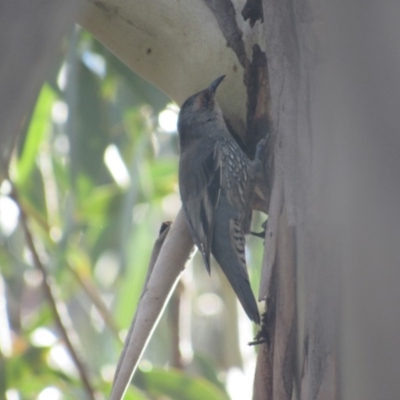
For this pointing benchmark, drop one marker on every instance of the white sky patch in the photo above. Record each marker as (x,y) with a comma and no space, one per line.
(5,187)
(209,304)
(116,166)
(43,337)
(168,118)
(12,394)
(62,77)
(61,144)
(95,62)
(60,359)
(238,384)
(55,233)
(59,112)
(107,268)
(241,381)
(140,212)
(9,214)
(33,277)
(170,205)
(50,393)
(5,333)
(107,372)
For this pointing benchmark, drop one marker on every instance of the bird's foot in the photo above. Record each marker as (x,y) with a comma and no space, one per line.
(258,234)
(262,233)
(262,335)
(261,338)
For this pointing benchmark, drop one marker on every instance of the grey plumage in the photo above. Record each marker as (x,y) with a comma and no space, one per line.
(216,181)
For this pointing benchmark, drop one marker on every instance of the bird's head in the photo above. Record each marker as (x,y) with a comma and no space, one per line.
(200,109)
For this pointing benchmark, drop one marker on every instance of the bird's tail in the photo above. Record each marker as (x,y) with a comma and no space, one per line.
(228,250)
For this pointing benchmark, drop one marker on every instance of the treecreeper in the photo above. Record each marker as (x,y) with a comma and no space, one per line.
(216,182)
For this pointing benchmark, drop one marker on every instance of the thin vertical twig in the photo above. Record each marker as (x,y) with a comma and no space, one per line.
(92,292)
(58,308)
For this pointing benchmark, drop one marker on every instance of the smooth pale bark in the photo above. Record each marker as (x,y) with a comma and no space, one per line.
(362,192)
(178,46)
(168,264)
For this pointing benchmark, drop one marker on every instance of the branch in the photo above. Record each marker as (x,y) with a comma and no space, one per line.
(168,258)
(225,14)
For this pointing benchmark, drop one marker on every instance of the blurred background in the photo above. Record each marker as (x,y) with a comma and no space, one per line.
(95,172)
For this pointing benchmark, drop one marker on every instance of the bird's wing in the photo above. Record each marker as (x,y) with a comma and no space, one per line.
(228,248)
(200,187)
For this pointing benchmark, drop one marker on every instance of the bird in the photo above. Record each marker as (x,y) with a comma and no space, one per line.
(216,184)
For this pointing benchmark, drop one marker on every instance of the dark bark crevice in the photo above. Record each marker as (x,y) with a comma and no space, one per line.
(225,14)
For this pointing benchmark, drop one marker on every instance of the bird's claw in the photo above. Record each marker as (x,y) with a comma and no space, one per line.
(262,335)
(262,233)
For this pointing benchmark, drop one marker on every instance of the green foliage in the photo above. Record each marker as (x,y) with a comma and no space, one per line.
(36,132)
(173,384)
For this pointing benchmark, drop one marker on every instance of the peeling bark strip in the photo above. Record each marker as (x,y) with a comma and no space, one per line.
(259,122)
(226,17)
(258,99)
(253,11)
(262,389)
(284,344)
(264,375)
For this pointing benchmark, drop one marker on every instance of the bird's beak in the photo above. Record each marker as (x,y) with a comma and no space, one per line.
(214,85)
